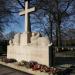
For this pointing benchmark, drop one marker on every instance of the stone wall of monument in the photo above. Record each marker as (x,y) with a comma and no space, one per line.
(29,53)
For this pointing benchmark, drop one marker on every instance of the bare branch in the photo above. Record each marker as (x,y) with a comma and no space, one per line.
(21,4)
(69,2)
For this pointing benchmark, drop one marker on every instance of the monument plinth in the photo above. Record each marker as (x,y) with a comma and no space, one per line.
(29,46)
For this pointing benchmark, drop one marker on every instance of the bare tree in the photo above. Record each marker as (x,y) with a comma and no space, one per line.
(8,11)
(58,12)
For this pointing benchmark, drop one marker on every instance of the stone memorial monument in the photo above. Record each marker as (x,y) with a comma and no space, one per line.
(29,46)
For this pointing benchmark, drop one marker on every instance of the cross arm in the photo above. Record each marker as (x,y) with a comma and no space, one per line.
(22,12)
(31,9)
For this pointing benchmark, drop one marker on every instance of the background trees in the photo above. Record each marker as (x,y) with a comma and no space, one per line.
(8,10)
(3,15)
(52,17)
(59,11)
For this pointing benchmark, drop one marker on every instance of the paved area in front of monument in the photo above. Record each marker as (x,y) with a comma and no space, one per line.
(21,69)
(8,71)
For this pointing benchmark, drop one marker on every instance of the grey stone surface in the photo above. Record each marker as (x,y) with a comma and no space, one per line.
(8,71)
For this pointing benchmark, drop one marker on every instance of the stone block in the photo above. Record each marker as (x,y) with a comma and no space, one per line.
(16,40)
(30,47)
(29,53)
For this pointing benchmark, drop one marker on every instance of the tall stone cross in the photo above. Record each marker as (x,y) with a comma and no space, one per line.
(27,26)
(25,12)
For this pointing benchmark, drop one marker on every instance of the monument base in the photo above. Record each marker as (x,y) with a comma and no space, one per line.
(38,48)
(39,54)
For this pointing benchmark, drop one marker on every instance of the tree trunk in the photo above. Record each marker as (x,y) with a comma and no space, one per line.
(58,36)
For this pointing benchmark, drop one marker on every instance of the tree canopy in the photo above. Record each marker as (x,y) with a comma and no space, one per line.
(59,14)
(8,10)
(53,17)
